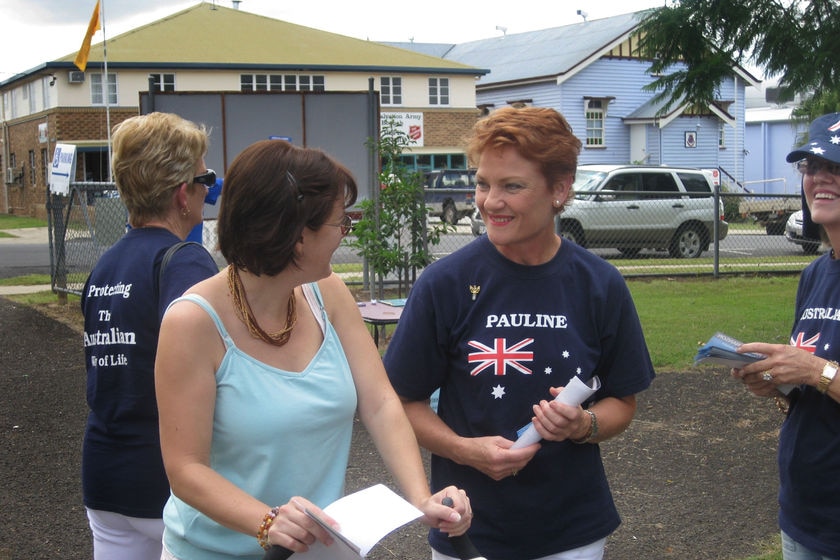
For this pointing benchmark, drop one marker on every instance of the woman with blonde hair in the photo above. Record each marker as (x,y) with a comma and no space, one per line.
(158,164)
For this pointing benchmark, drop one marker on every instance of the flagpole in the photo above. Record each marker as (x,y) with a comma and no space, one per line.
(105,85)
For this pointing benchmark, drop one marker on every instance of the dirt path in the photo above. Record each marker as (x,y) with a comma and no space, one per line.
(694,476)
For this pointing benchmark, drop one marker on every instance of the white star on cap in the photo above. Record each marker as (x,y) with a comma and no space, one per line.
(835,139)
(818,151)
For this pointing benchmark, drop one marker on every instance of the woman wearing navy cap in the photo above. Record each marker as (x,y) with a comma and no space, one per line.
(809,442)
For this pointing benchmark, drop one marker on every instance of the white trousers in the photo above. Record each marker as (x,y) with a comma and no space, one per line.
(119,537)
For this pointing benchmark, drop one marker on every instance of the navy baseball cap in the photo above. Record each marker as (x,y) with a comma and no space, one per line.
(823,140)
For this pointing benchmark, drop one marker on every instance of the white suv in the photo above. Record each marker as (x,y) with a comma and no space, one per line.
(632,207)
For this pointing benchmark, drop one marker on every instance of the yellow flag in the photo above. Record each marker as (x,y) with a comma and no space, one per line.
(84,52)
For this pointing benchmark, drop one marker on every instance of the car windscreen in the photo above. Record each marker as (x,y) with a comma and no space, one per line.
(587,181)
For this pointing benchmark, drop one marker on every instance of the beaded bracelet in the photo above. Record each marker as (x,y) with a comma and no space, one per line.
(262,534)
(782,404)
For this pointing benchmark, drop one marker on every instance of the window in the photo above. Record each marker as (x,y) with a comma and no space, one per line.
(29,96)
(595,111)
(659,185)
(96,97)
(438,91)
(32,167)
(45,163)
(46,83)
(694,182)
(722,137)
(281,82)
(9,104)
(390,90)
(163,82)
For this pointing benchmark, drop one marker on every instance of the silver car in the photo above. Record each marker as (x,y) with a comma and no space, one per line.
(793,233)
(633,207)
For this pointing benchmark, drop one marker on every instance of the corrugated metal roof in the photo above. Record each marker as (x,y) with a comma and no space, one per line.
(547,53)
(212,36)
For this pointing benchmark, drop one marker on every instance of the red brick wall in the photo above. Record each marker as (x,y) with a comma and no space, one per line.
(27,197)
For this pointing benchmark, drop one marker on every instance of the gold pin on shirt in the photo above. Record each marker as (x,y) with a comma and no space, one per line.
(474,291)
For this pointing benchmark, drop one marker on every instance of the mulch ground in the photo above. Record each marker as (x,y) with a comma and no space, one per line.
(694,476)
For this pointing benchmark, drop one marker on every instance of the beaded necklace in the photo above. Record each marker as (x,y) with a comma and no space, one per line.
(246,315)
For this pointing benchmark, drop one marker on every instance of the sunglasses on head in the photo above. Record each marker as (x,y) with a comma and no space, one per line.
(814,166)
(208,178)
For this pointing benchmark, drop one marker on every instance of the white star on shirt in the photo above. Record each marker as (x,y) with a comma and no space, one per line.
(498,391)
(548,370)
(578,371)
(818,151)
(827,346)
(565,353)
(835,139)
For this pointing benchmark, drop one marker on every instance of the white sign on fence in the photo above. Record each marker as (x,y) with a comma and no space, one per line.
(63,169)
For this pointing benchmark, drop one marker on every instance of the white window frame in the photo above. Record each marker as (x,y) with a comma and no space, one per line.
(45,91)
(390,90)
(438,91)
(282,82)
(163,81)
(96,89)
(595,116)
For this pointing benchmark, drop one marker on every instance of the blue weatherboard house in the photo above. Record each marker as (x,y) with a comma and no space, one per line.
(592,73)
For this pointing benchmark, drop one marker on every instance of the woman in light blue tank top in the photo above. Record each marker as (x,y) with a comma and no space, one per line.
(261,368)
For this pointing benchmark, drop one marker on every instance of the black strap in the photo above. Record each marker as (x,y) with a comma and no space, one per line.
(170,252)
(168,257)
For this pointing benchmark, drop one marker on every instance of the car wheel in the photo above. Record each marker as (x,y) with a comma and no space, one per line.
(572,232)
(450,215)
(689,242)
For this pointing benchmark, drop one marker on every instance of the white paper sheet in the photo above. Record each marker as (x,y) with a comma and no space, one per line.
(365,517)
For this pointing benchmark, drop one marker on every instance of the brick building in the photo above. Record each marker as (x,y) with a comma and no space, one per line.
(56,103)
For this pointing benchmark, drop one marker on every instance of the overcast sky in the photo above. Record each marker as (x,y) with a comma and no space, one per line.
(37,31)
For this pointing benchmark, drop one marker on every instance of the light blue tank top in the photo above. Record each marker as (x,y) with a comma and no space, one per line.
(276,434)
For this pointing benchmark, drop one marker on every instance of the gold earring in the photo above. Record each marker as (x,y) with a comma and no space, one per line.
(185,212)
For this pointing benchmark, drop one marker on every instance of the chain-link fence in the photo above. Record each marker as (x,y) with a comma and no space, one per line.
(92,217)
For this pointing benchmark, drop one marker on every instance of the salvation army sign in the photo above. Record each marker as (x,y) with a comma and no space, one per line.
(409,123)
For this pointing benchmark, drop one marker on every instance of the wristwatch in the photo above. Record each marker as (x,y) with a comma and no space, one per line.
(828,373)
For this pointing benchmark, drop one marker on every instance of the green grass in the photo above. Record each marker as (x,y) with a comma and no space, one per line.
(43,298)
(8,221)
(27,280)
(679,315)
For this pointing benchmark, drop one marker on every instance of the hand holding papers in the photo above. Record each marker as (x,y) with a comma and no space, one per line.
(720,349)
(365,518)
(575,392)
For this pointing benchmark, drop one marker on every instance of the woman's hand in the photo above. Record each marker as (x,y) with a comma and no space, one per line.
(555,421)
(493,456)
(453,520)
(784,365)
(295,530)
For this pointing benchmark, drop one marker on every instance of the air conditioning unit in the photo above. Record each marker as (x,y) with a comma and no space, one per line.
(11,176)
(76,77)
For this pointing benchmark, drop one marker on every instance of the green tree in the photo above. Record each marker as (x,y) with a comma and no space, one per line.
(393,234)
(695,43)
